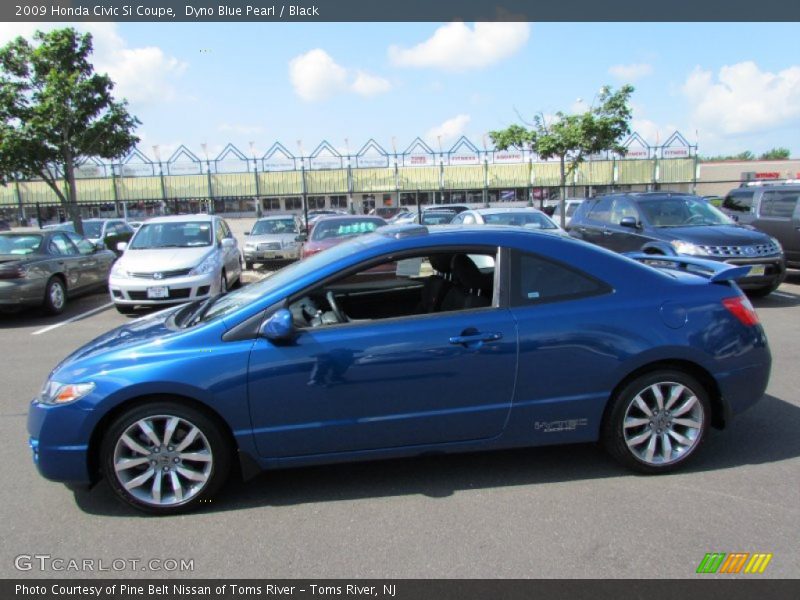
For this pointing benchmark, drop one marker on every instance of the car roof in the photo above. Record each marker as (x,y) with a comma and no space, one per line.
(273,217)
(511,209)
(183,219)
(350,217)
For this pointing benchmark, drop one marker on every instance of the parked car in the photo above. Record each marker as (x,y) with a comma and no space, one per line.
(332,230)
(174,260)
(135,224)
(5,225)
(387,212)
(302,367)
(314,215)
(45,268)
(274,241)
(671,224)
(530,218)
(775,210)
(738,201)
(108,231)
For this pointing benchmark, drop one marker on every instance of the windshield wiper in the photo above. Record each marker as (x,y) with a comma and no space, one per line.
(197,315)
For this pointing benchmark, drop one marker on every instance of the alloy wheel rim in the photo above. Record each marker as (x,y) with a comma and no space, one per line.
(163,460)
(57,295)
(663,423)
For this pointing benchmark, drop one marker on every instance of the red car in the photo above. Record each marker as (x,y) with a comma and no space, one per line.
(329,231)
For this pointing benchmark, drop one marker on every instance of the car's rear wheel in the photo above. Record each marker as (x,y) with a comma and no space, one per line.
(657,421)
(164,457)
(248,265)
(55,296)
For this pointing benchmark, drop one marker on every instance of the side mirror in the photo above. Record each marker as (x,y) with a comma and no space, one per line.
(228,243)
(99,246)
(301,238)
(629,222)
(279,327)
(122,246)
(247,233)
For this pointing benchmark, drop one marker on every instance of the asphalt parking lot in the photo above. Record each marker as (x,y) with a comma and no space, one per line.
(565,511)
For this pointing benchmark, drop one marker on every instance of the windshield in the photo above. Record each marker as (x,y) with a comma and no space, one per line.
(274,226)
(430,217)
(189,234)
(235,300)
(19,243)
(571,208)
(530,220)
(339,228)
(92,229)
(682,212)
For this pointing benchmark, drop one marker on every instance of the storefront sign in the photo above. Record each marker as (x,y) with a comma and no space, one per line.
(509,157)
(465,158)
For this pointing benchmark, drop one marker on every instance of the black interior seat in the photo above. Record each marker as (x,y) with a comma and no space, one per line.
(467,289)
(437,285)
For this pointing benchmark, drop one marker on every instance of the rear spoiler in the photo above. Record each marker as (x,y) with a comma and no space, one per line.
(715,271)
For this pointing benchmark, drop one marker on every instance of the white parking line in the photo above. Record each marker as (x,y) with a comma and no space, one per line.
(75,318)
(782,295)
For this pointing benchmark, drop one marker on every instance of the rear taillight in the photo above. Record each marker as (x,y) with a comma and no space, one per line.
(741,308)
(13,272)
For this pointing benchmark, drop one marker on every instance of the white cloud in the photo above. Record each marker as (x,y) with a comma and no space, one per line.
(631,72)
(450,130)
(743,98)
(315,76)
(141,75)
(456,47)
(370,85)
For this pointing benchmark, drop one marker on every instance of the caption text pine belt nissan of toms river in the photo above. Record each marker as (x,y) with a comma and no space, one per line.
(403,342)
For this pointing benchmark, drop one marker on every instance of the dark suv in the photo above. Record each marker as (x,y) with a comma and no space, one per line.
(665,223)
(775,210)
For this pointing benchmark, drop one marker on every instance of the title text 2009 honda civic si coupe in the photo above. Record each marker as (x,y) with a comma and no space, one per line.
(487,325)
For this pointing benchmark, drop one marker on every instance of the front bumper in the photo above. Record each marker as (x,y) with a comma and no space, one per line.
(59,442)
(289,253)
(135,291)
(774,271)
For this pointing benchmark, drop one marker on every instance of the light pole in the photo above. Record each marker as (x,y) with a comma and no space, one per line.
(255,174)
(303,175)
(204,146)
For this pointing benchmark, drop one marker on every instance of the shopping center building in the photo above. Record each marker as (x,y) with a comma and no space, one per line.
(236,183)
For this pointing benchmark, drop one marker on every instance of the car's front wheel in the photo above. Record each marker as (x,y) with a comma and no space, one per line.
(764,291)
(657,421)
(164,457)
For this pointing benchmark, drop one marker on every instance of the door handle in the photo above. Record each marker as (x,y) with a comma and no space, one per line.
(606,232)
(474,338)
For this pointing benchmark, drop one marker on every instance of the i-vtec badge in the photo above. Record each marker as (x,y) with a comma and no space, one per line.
(558,426)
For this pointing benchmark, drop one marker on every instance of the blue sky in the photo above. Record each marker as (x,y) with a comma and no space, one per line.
(736,85)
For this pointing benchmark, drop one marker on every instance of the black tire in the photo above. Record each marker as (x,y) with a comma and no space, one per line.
(763,291)
(613,433)
(55,296)
(223,283)
(125,309)
(210,437)
(248,265)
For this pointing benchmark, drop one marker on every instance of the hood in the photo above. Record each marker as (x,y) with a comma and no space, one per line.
(284,238)
(124,340)
(164,259)
(714,235)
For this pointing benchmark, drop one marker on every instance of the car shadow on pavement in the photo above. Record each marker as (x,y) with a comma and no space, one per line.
(39,318)
(765,434)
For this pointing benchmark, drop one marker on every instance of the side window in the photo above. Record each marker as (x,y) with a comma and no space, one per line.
(226,231)
(458,219)
(738,202)
(418,284)
(601,211)
(535,280)
(778,205)
(84,246)
(623,208)
(60,245)
(218,231)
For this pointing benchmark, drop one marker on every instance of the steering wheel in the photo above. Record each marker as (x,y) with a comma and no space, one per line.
(340,316)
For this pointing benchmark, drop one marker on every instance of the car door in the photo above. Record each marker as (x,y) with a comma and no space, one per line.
(779,216)
(621,238)
(68,261)
(385,382)
(93,269)
(230,252)
(593,227)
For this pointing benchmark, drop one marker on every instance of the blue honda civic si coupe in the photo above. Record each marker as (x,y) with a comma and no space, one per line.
(404,342)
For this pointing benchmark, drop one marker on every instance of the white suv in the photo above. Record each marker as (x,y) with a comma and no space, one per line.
(177,259)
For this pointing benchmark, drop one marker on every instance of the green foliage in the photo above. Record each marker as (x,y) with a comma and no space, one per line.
(746,155)
(55,110)
(571,137)
(776,154)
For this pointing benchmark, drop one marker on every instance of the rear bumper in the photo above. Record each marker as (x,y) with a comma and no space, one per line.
(743,388)
(21,292)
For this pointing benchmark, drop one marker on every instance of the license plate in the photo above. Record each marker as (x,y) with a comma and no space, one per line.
(158,292)
(757,270)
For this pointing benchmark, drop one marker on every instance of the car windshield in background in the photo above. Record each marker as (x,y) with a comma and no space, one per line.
(430,217)
(20,243)
(274,226)
(172,235)
(571,208)
(338,228)
(681,212)
(92,229)
(531,220)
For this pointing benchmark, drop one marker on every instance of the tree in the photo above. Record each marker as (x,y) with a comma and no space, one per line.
(572,137)
(776,154)
(746,155)
(55,110)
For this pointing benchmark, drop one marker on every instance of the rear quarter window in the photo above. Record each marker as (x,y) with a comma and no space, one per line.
(535,280)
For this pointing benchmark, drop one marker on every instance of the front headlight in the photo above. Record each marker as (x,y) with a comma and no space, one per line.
(777,244)
(687,248)
(209,265)
(119,270)
(54,392)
